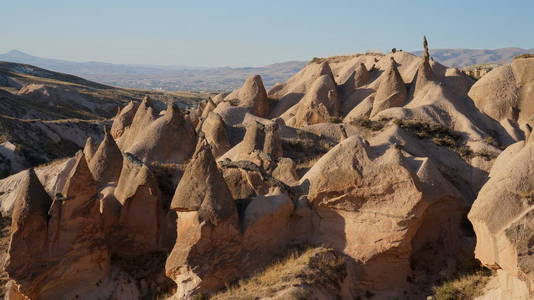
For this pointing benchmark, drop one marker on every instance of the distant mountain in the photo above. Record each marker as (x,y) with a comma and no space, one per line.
(184,78)
(466,57)
(189,78)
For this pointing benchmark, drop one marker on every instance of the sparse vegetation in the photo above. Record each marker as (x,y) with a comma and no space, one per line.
(370,124)
(296,274)
(465,287)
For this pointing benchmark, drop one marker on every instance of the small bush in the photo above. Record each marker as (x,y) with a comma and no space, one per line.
(370,124)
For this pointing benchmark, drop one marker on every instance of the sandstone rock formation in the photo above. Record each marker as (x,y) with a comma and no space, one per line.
(377,157)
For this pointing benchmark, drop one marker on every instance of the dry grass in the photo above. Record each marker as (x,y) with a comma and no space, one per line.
(466,287)
(293,276)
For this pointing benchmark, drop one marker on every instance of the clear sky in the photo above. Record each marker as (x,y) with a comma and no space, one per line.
(254,33)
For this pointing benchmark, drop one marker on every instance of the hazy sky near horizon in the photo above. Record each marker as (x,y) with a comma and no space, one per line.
(254,33)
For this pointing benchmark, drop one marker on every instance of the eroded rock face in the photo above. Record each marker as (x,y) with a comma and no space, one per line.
(502,216)
(140,216)
(168,139)
(370,207)
(67,239)
(123,119)
(253,96)
(391,92)
(106,163)
(208,239)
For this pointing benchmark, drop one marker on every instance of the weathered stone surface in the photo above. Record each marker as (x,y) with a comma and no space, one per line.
(106,163)
(168,139)
(502,216)
(215,133)
(253,96)
(141,212)
(123,119)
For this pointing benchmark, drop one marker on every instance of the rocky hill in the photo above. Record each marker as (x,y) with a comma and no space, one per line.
(181,78)
(370,176)
(46,115)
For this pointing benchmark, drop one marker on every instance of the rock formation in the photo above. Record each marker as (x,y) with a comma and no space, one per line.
(376,157)
(106,163)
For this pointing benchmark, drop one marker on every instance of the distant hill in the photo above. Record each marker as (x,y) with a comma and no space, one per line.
(190,78)
(185,78)
(467,57)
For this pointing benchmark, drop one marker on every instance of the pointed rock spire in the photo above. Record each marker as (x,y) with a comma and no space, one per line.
(215,132)
(169,139)
(391,91)
(124,119)
(424,73)
(210,106)
(89,149)
(80,184)
(28,228)
(142,211)
(106,163)
(319,104)
(253,96)
(361,75)
(203,189)
(144,115)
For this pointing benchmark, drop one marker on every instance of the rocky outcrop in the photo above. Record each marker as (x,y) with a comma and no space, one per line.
(208,239)
(216,134)
(106,163)
(319,105)
(70,229)
(89,149)
(372,208)
(168,139)
(253,96)
(502,215)
(139,221)
(123,120)
(391,92)
(144,115)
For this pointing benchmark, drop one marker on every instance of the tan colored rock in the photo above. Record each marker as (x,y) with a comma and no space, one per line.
(319,104)
(391,92)
(424,72)
(89,149)
(202,188)
(293,90)
(144,115)
(123,119)
(502,216)
(252,95)
(106,163)
(29,234)
(372,207)
(215,132)
(69,251)
(210,106)
(141,214)
(206,253)
(168,139)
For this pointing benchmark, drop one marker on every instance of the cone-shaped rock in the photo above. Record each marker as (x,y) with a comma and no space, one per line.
(203,189)
(319,104)
(106,163)
(424,73)
(215,132)
(123,119)
(210,106)
(89,149)
(144,115)
(142,211)
(253,96)
(169,139)
(28,232)
(391,92)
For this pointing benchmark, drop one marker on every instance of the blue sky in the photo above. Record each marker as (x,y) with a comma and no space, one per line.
(254,33)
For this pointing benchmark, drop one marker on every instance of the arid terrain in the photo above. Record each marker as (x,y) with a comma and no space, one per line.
(363,176)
